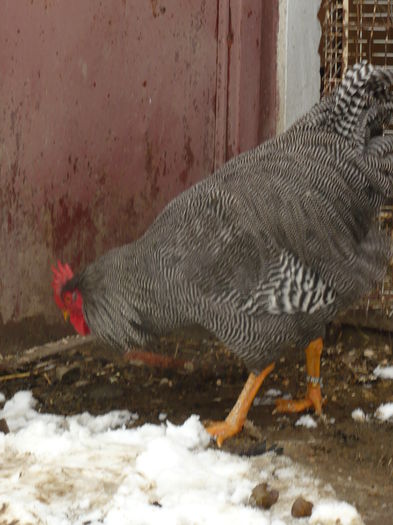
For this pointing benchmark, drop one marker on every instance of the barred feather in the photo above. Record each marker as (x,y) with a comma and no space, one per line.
(264,252)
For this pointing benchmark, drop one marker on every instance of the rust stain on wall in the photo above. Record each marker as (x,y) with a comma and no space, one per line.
(72,223)
(92,143)
(108,111)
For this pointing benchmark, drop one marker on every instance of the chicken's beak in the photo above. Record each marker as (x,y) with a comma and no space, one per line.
(66,315)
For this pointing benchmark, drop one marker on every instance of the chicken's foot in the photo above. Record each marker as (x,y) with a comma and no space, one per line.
(313,396)
(234,422)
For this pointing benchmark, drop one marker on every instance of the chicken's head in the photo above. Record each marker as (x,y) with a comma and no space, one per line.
(69,300)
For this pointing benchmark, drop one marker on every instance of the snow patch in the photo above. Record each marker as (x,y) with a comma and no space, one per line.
(268,398)
(359,415)
(385,412)
(85,469)
(306,421)
(273,392)
(384,372)
(335,513)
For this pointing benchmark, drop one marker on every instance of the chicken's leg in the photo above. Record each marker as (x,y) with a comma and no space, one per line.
(313,396)
(234,422)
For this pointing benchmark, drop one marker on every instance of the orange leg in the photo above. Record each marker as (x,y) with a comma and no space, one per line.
(313,396)
(234,422)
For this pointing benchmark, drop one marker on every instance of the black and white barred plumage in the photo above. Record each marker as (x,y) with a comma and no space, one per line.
(264,252)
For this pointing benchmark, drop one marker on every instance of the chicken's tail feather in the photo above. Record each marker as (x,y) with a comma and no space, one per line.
(363,103)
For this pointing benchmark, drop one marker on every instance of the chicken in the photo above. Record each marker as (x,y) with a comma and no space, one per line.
(264,252)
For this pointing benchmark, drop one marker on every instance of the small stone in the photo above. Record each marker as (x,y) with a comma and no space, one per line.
(264,497)
(189,366)
(301,508)
(218,382)
(4,427)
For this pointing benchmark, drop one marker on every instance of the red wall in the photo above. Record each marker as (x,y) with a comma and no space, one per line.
(108,109)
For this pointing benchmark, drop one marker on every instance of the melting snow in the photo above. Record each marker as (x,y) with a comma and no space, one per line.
(58,470)
(306,421)
(273,392)
(359,415)
(340,513)
(384,372)
(384,412)
(268,398)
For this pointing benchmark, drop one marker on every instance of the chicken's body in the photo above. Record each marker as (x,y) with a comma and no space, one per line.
(264,252)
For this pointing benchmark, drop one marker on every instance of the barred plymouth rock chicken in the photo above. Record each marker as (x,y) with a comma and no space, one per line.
(264,252)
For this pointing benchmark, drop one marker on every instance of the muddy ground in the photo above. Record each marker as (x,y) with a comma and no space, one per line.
(355,458)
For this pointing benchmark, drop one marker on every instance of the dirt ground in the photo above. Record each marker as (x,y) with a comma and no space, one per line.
(355,458)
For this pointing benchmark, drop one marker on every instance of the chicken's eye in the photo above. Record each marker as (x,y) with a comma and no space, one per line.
(67,299)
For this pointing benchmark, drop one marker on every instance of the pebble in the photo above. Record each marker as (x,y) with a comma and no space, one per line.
(4,427)
(263,497)
(166,382)
(189,366)
(301,508)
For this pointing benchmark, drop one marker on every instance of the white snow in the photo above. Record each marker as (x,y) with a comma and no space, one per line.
(162,416)
(273,392)
(306,421)
(268,397)
(359,415)
(340,513)
(57,470)
(384,372)
(385,412)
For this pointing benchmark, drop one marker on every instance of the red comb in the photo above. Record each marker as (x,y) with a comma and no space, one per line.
(61,275)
